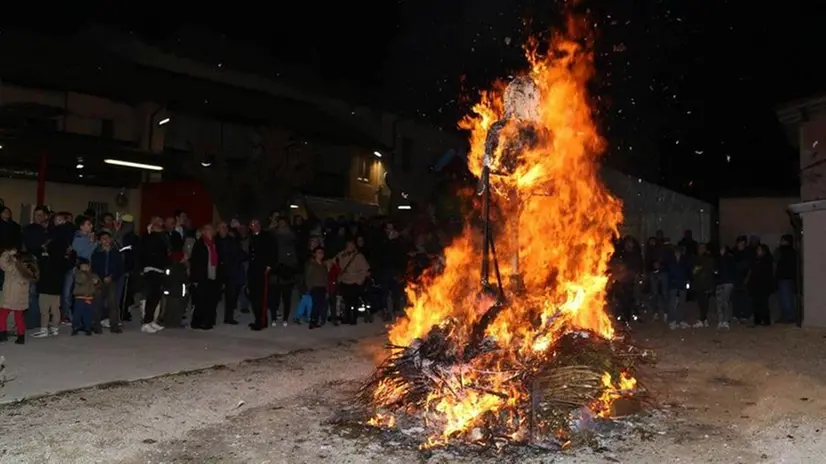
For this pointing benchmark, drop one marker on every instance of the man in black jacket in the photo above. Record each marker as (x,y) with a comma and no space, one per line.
(392,265)
(230,270)
(10,232)
(203,274)
(786,275)
(155,262)
(53,264)
(260,262)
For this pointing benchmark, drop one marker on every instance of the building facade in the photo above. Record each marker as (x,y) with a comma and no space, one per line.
(805,125)
(765,217)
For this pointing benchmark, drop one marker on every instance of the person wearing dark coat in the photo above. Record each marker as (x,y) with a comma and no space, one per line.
(283,278)
(107,263)
(53,264)
(261,261)
(629,265)
(231,258)
(786,274)
(679,267)
(175,298)
(742,260)
(760,284)
(391,263)
(10,233)
(128,243)
(203,275)
(155,260)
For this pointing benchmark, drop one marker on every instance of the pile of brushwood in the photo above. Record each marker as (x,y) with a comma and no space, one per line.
(555,387)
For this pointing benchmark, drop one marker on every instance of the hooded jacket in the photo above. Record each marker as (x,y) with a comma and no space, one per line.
(19,276)
(83,246)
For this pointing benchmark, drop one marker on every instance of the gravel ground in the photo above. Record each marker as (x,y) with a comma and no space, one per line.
(749,395)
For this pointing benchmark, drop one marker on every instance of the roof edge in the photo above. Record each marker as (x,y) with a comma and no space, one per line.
(807,206)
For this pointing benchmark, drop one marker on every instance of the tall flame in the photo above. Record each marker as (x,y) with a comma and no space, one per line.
(555,219)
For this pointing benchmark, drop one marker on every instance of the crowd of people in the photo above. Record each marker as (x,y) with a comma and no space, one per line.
(660,278)
(91,273)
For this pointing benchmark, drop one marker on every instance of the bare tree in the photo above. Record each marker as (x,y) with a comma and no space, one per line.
(277,167)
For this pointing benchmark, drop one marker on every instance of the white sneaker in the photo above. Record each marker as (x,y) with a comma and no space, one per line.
(724,325)
(274,324)
(684,325)
(156,326)
(698,325)
(42,333)
(105,323)
(705,323)
(284,324)
(54,331)
(147,328)
(672,325)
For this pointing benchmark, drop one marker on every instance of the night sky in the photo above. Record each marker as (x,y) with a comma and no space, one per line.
(685,90)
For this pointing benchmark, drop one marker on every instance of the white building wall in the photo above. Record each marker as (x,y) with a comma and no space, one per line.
(649,207)
(21,196)
(814,269)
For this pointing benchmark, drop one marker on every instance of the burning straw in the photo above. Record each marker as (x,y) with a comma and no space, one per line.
(529,400)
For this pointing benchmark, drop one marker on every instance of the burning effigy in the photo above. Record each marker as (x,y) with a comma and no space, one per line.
(511,341)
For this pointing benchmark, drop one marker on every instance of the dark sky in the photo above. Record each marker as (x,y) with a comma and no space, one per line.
(685,89)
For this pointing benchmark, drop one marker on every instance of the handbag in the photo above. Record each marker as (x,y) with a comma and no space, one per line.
(343,270)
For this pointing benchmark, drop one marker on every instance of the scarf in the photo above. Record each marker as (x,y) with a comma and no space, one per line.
(213,253)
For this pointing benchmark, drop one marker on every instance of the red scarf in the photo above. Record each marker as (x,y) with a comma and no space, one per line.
(213,253)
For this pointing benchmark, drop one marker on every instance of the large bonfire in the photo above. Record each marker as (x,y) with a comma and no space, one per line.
(550,350)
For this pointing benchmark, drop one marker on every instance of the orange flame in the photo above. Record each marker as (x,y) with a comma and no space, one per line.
(557,227)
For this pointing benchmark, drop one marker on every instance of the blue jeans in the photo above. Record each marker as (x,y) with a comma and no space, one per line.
(66,295)
(659,292)
(82,315)
(676,312)
(785,299)
(393,290)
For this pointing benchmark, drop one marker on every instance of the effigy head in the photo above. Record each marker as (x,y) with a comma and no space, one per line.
(522,100)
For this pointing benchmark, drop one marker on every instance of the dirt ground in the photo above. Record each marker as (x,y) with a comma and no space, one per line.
(748,395)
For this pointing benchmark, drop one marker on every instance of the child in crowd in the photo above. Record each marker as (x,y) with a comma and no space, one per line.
(53,265)
(316,282)
(679,268)
(20,272)
(86,286)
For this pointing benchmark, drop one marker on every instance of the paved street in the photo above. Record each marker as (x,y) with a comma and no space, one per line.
(56,364)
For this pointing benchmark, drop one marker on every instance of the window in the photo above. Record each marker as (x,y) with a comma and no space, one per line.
(407,154)
(363,169)
(107,128)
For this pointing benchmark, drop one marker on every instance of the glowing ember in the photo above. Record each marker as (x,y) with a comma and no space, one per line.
(553,236)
